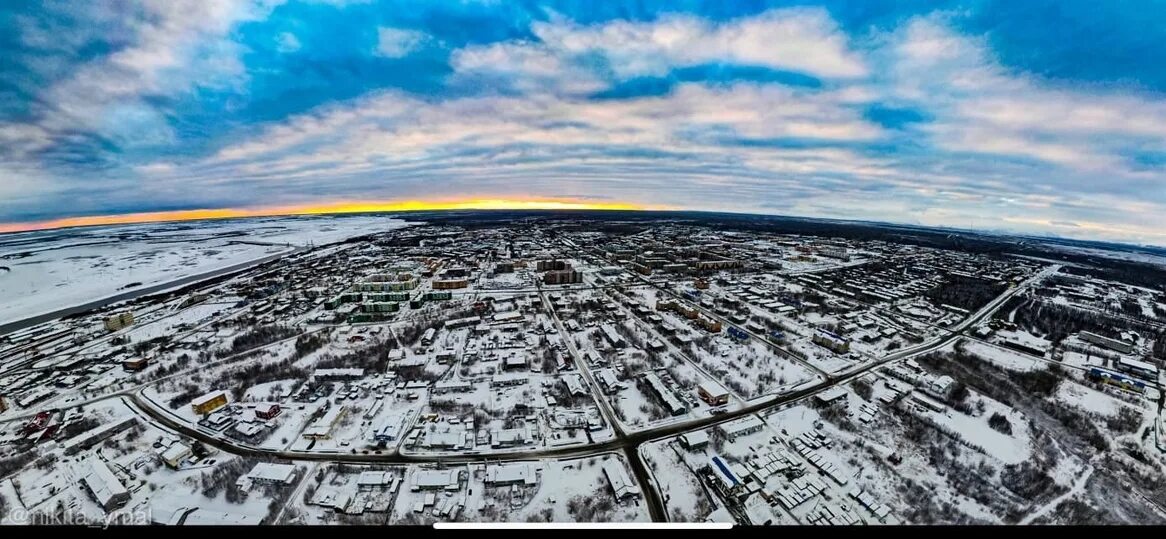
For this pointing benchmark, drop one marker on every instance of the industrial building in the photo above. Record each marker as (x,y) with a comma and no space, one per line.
(694,441)
(730,480)
(1140,369)
(272,474)
(321,429)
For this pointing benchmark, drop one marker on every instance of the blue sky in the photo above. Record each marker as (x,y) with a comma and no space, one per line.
(1035,116)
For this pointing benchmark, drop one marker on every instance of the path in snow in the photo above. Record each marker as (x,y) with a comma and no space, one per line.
(1078,486)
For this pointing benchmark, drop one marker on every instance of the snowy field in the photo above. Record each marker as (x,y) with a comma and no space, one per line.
(56,269)
(1002,357)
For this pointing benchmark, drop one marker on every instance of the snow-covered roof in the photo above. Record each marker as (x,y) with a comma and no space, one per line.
(199,401)
(276,473)
(105,487)
(435,478)
(512,473)
(617,476)
(375,478)
(712,388)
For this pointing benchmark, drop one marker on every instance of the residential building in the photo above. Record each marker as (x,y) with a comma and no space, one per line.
(119,320)
(1116,345)
(612,337)
(209,402)
(519,473)
(449,479)
(671,403)
(617,477)
(837,344)
(103,486)
(267,410)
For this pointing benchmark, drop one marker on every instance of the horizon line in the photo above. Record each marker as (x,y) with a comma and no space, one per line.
(333,208)
(472,204)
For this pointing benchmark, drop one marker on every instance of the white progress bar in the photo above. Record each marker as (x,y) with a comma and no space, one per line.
(582,525)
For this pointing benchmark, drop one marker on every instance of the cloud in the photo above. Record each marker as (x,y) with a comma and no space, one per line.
(397,42)
(804,40)
(909,118)
(287,42)
(982,107)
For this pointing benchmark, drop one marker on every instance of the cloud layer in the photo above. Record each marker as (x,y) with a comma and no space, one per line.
(928,116)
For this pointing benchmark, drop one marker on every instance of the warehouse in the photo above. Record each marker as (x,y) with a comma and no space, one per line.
(388,430)
(321,429)
(1141,369)
(272,474)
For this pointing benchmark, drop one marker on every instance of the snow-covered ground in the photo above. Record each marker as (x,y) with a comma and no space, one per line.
(56,269)
(1003,357)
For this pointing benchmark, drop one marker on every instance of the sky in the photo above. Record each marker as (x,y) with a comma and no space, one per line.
(1043,117)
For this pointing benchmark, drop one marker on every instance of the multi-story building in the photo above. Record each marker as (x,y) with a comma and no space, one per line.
(136,364)
(267,410)
(833,342)
(712,393)
(119,320)
(566,276)
(210,402)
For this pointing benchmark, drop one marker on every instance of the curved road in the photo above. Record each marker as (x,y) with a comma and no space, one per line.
(627,443)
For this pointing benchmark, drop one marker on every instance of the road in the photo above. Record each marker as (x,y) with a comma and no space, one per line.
(627,443)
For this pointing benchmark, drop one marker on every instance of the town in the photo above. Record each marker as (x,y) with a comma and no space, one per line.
(565,368)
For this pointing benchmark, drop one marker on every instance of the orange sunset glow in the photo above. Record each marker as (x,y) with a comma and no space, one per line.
(325,209)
